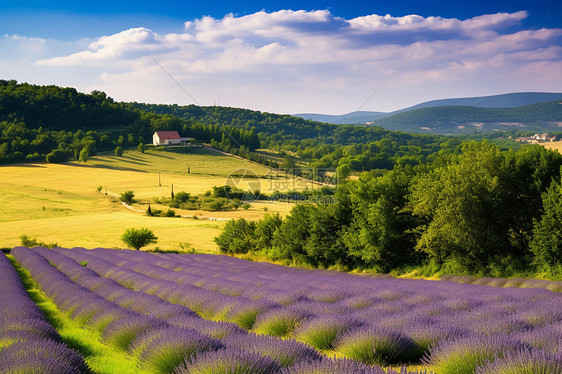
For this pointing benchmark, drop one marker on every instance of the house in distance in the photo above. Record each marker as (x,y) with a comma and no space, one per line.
(537,138)
(169,138)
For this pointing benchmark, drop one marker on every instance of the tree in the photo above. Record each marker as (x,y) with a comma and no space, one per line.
(222,191)
(141,148)
(119,151)
(342,172)
(138,238)
(265,229)
(57,155)
(463,205)
(547,239)
(238,236)
(84,155)
(290,238)
(381,232)
(127,197)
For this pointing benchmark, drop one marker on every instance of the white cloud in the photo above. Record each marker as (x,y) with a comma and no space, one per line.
(291,61)
(18,37)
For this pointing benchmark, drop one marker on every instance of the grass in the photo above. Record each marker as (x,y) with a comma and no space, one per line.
(59,203)
(100,357)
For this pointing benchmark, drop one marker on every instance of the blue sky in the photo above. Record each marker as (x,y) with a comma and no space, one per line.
(314,56)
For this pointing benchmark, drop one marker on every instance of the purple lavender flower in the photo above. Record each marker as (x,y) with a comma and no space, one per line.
(122,332)
(321,332)
(160,350)
(376,346)
(284,351)
(332,366)
(228,361)
(278,322)
(41,356)
(524,361)
(464,355)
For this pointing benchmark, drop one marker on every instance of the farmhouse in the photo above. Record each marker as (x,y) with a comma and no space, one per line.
(169,138)
(537,138)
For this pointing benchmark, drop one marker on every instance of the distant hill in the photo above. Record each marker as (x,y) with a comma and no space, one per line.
(343,119)
(453,117)
(457,119)
(509,100)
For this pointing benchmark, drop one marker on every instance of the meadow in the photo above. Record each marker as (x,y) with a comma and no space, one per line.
(59,203)
(198,313)
(553,145)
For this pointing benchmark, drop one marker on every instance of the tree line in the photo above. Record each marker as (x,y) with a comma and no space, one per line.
(321,145)
(57,124)
(62,123)
(481,210)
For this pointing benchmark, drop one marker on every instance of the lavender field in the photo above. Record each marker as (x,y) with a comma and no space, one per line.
(172,313)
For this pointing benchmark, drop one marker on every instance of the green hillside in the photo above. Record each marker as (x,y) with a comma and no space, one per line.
(59,124)
(454,119)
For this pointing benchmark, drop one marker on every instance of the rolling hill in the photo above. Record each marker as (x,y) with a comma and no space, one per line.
(521,110)
(349,118)
(458,119)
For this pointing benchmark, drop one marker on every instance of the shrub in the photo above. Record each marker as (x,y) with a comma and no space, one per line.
(57,155)
(122,332)
(128,197)
(119,151)
(523,361)
(284,351)
(376,346)
(161,350)
(322,332)
(181,197)
(278,322)
(464,355)
(228,361)
(30,243)
(138,238)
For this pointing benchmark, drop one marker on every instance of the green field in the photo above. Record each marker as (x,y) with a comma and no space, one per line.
(59,203)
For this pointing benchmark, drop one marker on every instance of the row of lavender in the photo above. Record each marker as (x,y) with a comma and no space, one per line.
(503,282)
(238,290)
(375,321)
(28,343)
(398,321)
(165,337)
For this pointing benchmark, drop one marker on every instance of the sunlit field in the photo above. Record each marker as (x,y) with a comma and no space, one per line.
(554,145)
(59,203)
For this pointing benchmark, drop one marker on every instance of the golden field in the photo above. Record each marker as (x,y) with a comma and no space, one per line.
(59,203)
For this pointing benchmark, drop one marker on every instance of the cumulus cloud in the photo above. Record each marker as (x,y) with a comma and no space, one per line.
(306,54)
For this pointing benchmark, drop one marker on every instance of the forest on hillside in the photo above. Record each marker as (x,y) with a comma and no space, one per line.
(62,123)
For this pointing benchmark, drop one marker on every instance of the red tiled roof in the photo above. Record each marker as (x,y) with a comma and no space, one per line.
(168,134)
